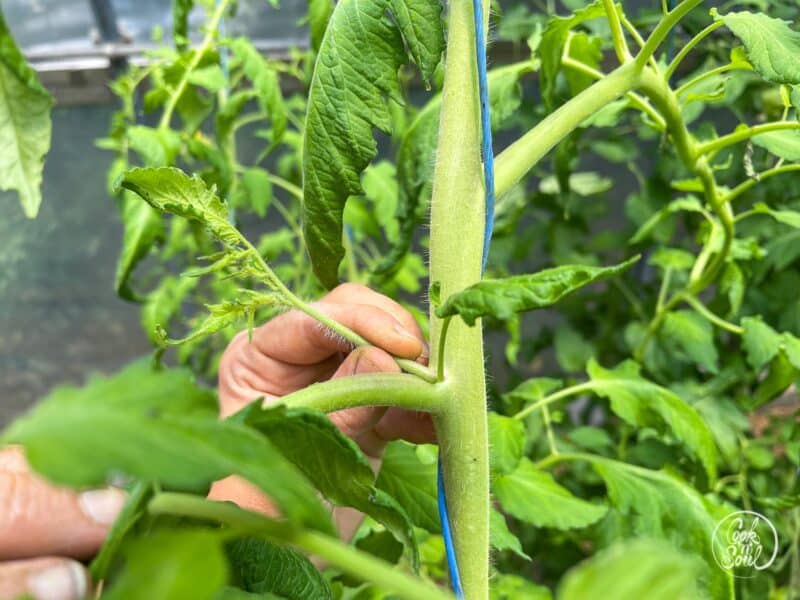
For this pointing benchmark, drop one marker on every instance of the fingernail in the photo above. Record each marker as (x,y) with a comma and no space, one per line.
(66,581)
(400,330)
(102,506)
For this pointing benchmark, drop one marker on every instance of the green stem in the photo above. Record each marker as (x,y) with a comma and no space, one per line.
(211,33)
(294,190)
(745,133)
(662,292)
(635,99)
(711,317)
(743,187)
(442,345)
(689,47)
(707,75)
(520,157)
(573,390)
(359,564)
(380,389)
(662,30)
(456,247)
(617,35)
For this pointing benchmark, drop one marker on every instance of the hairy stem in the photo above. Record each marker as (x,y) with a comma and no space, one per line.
(380,389)
(520,157)
(356,563)
(635,99)
(456,248)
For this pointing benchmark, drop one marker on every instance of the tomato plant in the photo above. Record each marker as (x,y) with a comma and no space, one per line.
(625,425)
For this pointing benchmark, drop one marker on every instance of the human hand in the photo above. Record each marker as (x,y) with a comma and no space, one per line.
(293,351)
(43,527)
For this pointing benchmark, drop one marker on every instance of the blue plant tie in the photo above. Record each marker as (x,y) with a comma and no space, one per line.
(487,152)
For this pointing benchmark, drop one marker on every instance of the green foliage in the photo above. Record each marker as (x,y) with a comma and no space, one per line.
(534,497)
(170,566)
(24,125)
(771,44)
(606,481)
(649,569)
(347,99)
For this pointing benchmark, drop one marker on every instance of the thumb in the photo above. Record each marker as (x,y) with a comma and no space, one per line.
(38,518)
(44,579)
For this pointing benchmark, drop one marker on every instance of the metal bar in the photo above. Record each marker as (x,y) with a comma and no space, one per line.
(106,20)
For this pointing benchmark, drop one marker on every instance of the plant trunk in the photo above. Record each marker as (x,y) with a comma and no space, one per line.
(457,222)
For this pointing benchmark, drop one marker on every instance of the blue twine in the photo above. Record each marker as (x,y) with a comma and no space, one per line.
(447,534)
(487,152)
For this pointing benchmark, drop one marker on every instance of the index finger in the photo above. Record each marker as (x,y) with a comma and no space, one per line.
(296,338)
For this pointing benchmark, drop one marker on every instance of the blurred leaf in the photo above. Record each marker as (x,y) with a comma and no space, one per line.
(266,84)
(412,483)
(656,504)
(632,570)
(760,342)
(333,462)
(142,228)
(694,336)
(514,587)
(89,436)
(645,404)
(783,144)
(583,184)
(165,565)
(506,443)
(501,538)
(552,45)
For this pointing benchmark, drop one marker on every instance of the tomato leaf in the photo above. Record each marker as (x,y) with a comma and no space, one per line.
(156,426)
(772,46)
(412,483)
(506,443)
(171,190)
(24,125)
(143,227)
(656,504)
(694,336)
(500,536)
(645,404)
(333,461)
(501,298)
(260,566)
(355,77)
(534,496)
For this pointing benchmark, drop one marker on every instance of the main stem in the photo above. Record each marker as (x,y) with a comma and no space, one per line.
(457,222)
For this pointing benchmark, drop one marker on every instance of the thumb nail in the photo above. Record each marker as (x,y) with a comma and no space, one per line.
(64,581)
(102,506)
